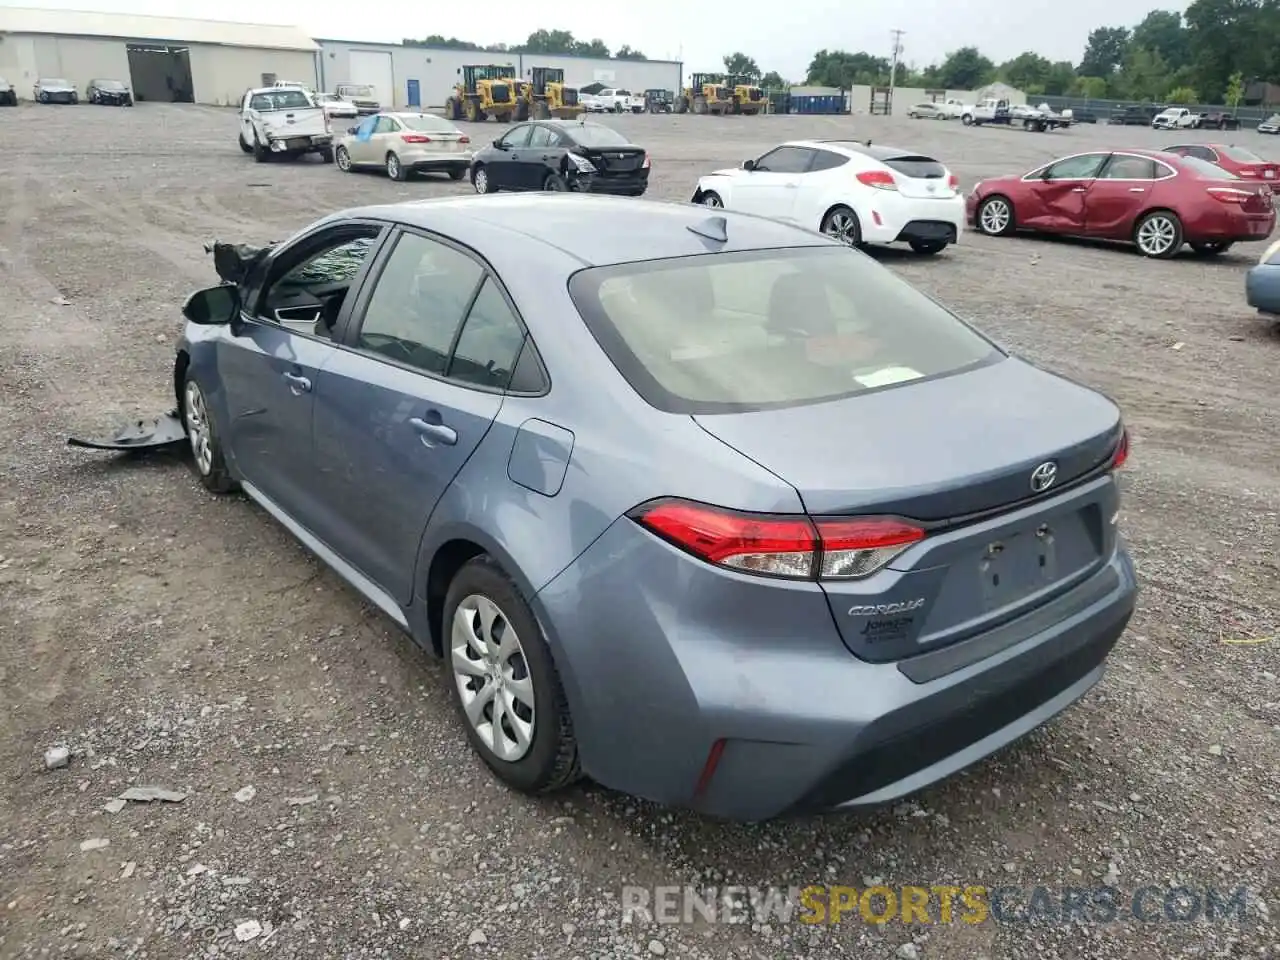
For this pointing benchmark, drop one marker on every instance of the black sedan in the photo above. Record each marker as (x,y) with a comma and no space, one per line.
(109,92)
(562,155)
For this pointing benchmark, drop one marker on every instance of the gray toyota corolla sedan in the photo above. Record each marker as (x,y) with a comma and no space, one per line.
(709,508)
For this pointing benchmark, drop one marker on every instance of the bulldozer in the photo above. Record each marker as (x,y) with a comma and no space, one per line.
(544,95)
(748,97)
(486,90)
(708,94)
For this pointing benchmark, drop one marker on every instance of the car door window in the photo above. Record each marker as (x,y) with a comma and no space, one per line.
(418,303)
(516,138)
(1083,167)
(384,125)
(306,295)
(1126,167)
(541,138)
(826,160)
(490,342)
(785,160)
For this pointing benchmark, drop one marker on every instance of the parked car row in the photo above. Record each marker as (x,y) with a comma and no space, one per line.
(57,90)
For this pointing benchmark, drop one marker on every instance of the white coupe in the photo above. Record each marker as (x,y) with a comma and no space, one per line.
(847,189)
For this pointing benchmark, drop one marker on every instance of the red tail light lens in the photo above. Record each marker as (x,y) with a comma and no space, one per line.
(464,139)
(1230,194)
(415,138)
(953,182)
(880,179)
(1122,450)
(791,547)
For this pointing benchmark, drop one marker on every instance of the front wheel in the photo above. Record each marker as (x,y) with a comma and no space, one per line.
(927,247)
(480,180)
(243,145)
(995,217)
(967,120)
(504,682)
(206,447)
(342,159)
(1158,235)
(555,183)
(842,224)
(712,199)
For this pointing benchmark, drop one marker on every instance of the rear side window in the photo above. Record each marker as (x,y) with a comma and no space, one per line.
(1206,170)
(767,329)
(490,341)
(1127,167)
(917,168)
(1241,155)
(826,160)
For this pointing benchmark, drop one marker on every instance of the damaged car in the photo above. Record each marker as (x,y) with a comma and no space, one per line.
(562,155)
(619,481)
(55,90)
(112,93)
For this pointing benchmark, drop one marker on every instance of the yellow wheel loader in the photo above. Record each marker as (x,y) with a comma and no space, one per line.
(486,90)
(748,98)
(707,94)
(544,95)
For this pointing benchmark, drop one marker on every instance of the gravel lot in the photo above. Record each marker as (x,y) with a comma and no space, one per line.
(171,639)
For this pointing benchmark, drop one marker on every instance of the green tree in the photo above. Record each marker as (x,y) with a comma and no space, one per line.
(1091,88)
(773,81)
(626,53)
(1026,70)
(1061,75)
(1235,89)
(1226,36)
(965,69)
(1143,76)
(1104,52)
(738,64)
(1163,32)
(1181,95)
(839,68)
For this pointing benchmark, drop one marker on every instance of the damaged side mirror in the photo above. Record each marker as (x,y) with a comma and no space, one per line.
(748,164)
(213,306)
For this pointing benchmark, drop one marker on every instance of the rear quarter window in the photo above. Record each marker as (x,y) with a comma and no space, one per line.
(1205,170)
(722,333)
(918,168)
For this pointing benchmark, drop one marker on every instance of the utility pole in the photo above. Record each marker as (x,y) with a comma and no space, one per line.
(897,52)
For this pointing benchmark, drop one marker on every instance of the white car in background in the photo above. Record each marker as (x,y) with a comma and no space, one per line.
(950,109)
(403,144)
(849,190)
(335,108)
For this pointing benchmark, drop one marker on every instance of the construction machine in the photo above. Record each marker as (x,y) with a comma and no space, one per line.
(748,97)
(486,90)
(545,95)
(708,93)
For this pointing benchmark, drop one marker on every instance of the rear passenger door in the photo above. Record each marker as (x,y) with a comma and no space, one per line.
(504,160)
(1118,194)
(538,158)
(768,189)
(401,410)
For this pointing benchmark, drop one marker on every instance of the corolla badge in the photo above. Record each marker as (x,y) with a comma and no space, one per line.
(886,609)
(1043,476)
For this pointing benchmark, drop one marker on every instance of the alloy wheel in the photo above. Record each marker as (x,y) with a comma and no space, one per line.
(197,417)
(393,166)
(711,200)
(842,226)
(480,180)
(493,678)
(344,160)
(995,217)
(1157,235)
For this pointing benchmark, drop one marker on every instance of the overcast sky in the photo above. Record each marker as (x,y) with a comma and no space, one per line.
(778,35)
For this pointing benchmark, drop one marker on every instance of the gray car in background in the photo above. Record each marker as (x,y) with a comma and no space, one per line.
(8,95)
(55,90)
(712,509)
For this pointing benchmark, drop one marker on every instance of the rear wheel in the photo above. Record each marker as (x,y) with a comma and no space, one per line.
(1158,234)
(480,180)
(1211,248)
(326,154)
(995,217)
(842,224)
(457,173)
(541,111)
(395,169)
(928,247)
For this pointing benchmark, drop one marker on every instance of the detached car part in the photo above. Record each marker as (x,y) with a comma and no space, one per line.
(165,431)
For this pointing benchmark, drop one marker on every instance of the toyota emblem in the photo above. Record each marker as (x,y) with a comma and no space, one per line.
(1043,476)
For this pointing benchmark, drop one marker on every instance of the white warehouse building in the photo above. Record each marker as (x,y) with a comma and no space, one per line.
(424,76)
(166,59)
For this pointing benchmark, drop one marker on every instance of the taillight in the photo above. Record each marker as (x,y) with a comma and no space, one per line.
(1230,194)
(880,179)
(415,138)
(464,139)
(645,165)
(791,547)
(1247,172)
(953,182)
(1122,450)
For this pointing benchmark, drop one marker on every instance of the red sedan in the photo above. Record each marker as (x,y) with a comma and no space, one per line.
(1241,161)
(1156,200)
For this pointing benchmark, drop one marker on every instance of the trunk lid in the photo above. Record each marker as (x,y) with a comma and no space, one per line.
(295,122)
(614,160)
(957,456)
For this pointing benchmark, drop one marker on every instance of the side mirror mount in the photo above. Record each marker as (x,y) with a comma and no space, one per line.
(748,164)
(213,306)
(498,143)
(353,130)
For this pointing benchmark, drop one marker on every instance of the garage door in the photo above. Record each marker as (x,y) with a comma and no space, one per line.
(374,68)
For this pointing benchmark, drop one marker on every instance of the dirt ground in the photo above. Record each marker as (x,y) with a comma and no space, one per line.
(172,639)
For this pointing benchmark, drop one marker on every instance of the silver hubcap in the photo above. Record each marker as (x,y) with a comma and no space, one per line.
(711,200)
(393,166)
(198,428)
(492,677)
(841,226)
(481,180)
(995,216)
(1156,235)
(344,160)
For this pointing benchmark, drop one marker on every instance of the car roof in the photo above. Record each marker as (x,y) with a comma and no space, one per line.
(572,224)
(856,148)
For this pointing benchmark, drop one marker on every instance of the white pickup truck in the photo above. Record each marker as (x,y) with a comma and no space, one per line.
(613,101)
(283,122)
(1176,118)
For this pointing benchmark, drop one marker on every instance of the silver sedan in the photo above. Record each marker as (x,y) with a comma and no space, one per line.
(404,144)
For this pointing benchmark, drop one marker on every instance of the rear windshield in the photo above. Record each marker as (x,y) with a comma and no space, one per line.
(923,168)
(593,135)
(428,124)
(1206,170)
(280,100)
(722,333)
(1241,155)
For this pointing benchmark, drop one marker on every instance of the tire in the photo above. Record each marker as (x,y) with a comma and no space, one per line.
(244,146)
(554,183)
(480,180)
(1162,231)
(506,666)
(453,109)
(1210,248)
(522,112)
(44,97)
(712,199)
(457,173)
(343,160)
(841,223)
(326,154)
(206,448)
(541,111)
(967,119)
(260,153)
(395,169)
(992,220)
(927,248)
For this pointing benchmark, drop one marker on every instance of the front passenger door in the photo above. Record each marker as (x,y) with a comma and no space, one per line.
(392,428)
(769,188)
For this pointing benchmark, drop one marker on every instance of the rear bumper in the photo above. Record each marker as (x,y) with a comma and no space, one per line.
(630,186)
(1232,225)
(311,142)
(426,162)
(893,217)
(1262,288)
(707,657)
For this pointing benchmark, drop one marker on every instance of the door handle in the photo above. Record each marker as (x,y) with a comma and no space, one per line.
(1137,189)
(297,384)
(433,433)
(1077,189)
(792,186)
